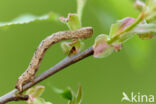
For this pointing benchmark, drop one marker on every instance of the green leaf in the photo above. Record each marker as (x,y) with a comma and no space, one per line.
(38,91)
(120,26)
(28,18)
(34,95)
(114,29)
(72,21)
(67,93)
(151,18)
(151,5)
(66,47)
(30,91)
(80,6)
(101,48)
(35,91)
(73,101)
(40,101)
(72,48)
(145,31)
(48,103)
(79,95)
(125,37)
(70,102)
(150,11)
(101,37)
(78,44)
(145,28)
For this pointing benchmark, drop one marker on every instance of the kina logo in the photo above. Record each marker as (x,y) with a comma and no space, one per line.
(137,98)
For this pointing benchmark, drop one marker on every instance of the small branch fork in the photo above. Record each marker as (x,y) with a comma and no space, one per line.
(14,94)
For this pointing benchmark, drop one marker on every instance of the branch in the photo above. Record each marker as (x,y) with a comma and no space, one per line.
(13,95)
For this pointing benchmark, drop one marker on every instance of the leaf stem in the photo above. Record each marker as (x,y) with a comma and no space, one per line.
(129,28)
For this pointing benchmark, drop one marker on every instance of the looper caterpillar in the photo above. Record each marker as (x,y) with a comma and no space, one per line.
(30,72)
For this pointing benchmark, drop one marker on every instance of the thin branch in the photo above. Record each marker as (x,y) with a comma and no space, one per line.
(12,95)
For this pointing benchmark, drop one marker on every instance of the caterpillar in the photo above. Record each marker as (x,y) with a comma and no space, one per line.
(33,67)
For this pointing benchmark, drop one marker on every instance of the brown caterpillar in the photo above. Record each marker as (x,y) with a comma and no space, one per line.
(29,74)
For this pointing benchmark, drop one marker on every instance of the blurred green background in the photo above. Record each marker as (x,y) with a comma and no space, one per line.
(103,80)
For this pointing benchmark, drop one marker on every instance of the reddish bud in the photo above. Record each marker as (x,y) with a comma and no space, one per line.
(146,36)
(117,47)
(101,47)
(139,5)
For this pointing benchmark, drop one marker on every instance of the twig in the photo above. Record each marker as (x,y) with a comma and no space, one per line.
(12,95)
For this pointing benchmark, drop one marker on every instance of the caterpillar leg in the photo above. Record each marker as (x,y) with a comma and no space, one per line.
(23,80)
(19,86)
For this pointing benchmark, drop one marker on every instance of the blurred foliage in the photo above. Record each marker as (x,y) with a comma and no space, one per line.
(103,80)
(69,95)
(28,18)
(34,94)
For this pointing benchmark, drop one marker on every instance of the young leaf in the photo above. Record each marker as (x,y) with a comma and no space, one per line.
(151,5)
(117,46)
(72,48)
(145,31)
(40,101)
(66,47)
(30,91)
(34,95)
(101,47)
(145,28)
(77,45)
(67,93)
(72,21)
(28,18)
(35,91)
(125,23)
(48,103)
(79,95)
(114,29)
(125,37)
(70,102)
(120,26)
(150,11)
(73,101)
(146,36)
(151,18)
(139,5)
(38,91)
